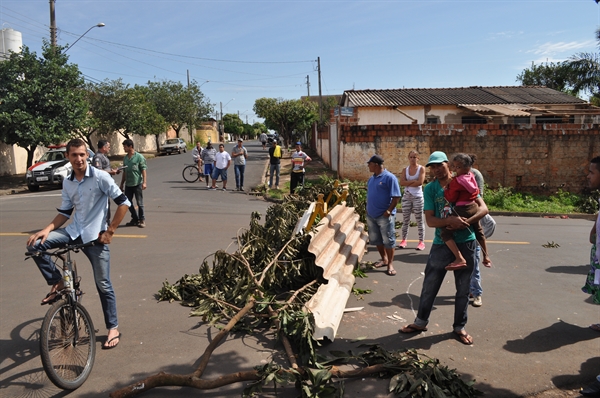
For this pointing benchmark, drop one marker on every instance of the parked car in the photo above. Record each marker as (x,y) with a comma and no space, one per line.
(173,145)
(271,137)
(51,169)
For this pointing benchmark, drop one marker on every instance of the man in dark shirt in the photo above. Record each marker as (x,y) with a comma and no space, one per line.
(274,164)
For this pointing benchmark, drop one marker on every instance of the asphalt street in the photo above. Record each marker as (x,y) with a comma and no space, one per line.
(531,334)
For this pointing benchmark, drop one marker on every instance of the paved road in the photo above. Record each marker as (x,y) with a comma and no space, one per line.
(530,334)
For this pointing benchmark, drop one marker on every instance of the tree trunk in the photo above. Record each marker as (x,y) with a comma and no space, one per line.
(30,152)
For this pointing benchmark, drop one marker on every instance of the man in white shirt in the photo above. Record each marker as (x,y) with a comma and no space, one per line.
(222,163)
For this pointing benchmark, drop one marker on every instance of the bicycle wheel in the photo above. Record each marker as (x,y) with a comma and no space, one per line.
(190,174)
(67,345)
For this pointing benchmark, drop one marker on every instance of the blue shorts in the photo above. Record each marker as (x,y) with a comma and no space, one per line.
(382,231)
(219,172)
(208,169)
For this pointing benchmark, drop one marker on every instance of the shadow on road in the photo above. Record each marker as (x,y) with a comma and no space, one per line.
(551,338)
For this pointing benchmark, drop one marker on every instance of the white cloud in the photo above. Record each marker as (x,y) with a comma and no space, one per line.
(509,34)
(551,49)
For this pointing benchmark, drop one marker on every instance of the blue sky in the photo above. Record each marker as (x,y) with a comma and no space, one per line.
(252,49)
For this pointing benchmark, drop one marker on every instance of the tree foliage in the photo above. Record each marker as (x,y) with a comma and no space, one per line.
(233,125)
(42,99)
(117,107)
(290,118)
(578,75)
(177,104)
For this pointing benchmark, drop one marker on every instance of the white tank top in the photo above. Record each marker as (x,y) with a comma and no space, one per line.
(414,191)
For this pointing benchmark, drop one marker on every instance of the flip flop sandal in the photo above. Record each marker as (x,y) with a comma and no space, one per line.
(595,327)
(108,347)
(50,298)
(412,328)
(379,264)
(390,272)
(464,338)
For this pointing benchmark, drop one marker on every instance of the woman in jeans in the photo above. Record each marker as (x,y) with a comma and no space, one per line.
(412,178)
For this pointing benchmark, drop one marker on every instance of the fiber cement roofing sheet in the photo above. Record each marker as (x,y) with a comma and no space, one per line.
(455,96)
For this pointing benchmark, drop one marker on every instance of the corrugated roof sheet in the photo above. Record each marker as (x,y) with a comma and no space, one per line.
(338,244)
(455,96)
(495,109)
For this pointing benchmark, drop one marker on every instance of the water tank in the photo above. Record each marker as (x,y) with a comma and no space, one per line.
(10,40)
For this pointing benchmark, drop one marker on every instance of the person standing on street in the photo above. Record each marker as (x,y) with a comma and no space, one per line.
(208,158)
(440,255)
(299,159)
(134,180)
(101,162)
(263,139)
(239,155)
(412,178)
(592,283)
(274,163)
(383,194)
(221,164)
(197,156)
(84,196)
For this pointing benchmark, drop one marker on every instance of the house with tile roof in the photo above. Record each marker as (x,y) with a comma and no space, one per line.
(530,138)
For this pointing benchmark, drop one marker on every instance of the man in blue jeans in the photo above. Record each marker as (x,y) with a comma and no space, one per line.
(383,194)
(85,197)
(435,208)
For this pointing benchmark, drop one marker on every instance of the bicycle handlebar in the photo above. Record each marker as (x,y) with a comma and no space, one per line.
(62,250)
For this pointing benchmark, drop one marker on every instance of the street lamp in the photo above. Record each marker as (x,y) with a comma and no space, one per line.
(204,83)
(100,25)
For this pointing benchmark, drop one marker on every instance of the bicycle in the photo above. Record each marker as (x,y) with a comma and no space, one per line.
(191,173)
(67,335)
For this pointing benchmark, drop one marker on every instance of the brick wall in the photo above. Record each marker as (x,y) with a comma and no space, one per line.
(534,158)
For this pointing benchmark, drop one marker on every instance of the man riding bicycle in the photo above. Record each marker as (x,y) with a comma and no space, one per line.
(85,196)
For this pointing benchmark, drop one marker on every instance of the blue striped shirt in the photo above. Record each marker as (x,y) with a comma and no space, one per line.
(87,202)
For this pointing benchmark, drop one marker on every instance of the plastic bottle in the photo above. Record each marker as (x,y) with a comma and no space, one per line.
(68,280)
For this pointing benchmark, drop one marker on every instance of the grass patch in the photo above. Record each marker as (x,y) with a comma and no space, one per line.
(505,199)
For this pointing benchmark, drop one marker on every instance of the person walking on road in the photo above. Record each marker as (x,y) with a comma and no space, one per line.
(263,139)
(84,195)
(440,255)
(299,159)
(412,178)
(101,162)
(221,164)
(134,180)
(489,226)
(197,156)
(208,158)
(383,194)
(274,164)
(239,155)
(592,283)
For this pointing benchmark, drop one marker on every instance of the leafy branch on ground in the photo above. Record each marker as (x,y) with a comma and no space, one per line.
(263,287)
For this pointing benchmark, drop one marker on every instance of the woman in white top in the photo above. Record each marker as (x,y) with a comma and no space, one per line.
(412,178)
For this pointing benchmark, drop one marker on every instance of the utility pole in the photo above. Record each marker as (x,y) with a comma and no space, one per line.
(320,96)
(191,116)
(308,85)
(52,24)
(221,123)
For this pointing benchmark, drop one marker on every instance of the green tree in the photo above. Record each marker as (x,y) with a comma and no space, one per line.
(585,67)
(554,75)
(179,105)
(42,101)
(290,118)
(233,125)
(117,107)
(580,74)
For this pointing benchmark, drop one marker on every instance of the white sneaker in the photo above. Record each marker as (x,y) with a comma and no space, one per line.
(477,302)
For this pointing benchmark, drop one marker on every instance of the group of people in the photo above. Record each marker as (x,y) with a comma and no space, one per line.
(214,164)
(383,195)
(453,205)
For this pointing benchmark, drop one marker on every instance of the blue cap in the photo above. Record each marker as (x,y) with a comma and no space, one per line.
(298,143)
(437,157)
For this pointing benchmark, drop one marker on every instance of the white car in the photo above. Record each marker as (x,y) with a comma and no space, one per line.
(173,145)
(50,169)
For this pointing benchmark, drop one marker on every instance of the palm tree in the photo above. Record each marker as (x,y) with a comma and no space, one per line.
(585,70)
